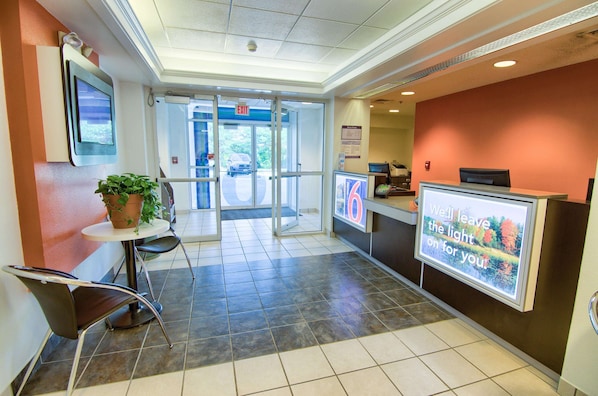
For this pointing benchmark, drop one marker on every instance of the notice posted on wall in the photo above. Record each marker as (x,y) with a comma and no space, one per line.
(351,141)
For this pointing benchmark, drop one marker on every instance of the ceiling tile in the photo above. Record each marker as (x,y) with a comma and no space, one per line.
(338,56)
(395,12)
(294,7)
(302,52)
(264,24)
(265,47)
(350,11)
(193,39)
(194,14)
(362,37)
(320,32)
(148,17)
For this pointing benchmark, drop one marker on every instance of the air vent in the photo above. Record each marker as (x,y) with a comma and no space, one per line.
(568,19)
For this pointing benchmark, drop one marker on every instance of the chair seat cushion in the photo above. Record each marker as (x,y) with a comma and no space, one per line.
(92,304)
(160,245)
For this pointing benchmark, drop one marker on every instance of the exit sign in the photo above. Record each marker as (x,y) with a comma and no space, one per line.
(242,109)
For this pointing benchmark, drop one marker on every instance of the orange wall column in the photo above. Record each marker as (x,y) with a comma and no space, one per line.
(55,200)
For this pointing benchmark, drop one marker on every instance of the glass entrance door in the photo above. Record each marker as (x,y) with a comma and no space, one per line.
(188,153)
(298,147)
(245,152)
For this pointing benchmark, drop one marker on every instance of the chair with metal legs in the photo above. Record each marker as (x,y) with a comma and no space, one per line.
(157,246)
(72,306)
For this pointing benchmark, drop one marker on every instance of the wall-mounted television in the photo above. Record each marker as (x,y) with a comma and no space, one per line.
(89,103)
(493,177)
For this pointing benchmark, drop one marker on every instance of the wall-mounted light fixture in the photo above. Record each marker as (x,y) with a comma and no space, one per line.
(86,50)
(74,41)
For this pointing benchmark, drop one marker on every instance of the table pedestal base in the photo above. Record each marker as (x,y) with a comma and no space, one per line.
(128,317)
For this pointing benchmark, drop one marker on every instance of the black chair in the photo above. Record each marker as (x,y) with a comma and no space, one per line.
(72,306)
(157,246)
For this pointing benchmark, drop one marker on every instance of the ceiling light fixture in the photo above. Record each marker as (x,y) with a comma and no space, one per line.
(505,63)
(393,111)
(251,46)
(407,93)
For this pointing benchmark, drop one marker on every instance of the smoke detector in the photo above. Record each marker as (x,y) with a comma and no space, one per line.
(251,46)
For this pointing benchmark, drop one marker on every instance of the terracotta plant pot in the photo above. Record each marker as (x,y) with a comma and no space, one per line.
(124,216)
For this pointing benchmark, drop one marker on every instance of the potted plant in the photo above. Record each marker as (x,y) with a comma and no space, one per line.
(129,199)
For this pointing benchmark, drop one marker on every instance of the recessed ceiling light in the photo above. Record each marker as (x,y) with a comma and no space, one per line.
(407,93)
(371,106)
(505,63)
(393,111)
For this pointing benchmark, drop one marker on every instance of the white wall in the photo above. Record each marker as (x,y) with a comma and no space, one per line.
(136,141)
(352,112)
(581,356)
(391,138)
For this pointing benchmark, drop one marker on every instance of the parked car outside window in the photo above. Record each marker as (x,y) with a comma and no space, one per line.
(238,164)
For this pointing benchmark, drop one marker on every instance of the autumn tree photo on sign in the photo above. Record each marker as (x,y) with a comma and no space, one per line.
(476,237)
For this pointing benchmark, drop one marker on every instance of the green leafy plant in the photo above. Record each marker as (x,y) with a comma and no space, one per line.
(130,183)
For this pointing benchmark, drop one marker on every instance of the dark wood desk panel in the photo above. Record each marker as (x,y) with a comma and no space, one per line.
(392,244)
(541,333)
(352,235)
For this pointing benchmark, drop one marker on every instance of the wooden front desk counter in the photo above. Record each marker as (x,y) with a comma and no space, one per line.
(541,333)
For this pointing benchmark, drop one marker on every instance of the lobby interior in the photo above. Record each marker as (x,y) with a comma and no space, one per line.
(304,314)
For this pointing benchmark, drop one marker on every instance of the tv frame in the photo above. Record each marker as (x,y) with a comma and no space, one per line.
(457,201)
(491,177)
(76,67)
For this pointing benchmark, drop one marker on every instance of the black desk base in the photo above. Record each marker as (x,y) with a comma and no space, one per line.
(128,317)
(135,314)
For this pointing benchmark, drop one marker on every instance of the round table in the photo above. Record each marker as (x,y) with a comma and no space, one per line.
(104,232)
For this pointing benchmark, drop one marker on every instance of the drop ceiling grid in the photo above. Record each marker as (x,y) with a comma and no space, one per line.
(314,31)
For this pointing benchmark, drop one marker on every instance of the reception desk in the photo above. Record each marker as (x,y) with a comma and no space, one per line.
(539,329)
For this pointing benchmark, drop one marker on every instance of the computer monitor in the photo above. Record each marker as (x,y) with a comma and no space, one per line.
(380,167)
(494,177)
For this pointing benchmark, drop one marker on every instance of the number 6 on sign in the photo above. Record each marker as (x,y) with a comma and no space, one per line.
(355,204)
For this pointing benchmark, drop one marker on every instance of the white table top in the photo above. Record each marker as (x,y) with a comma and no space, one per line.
(104,232)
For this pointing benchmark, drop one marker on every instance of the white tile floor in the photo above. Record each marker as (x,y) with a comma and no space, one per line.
(443,358)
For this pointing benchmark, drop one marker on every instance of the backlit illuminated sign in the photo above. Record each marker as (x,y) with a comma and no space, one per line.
(482,240)
(349,194)
(242,109)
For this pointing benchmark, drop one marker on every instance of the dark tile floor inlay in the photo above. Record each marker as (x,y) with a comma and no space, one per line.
(234,312)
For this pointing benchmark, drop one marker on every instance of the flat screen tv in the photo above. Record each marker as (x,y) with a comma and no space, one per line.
(380,167)
(89,102)
(493,177)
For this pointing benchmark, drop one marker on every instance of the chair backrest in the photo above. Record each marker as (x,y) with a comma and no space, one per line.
(55,299)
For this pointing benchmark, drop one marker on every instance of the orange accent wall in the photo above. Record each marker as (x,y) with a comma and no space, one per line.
(543,127)
(55,200)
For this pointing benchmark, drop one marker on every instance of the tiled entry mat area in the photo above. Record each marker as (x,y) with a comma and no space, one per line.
(317,325)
